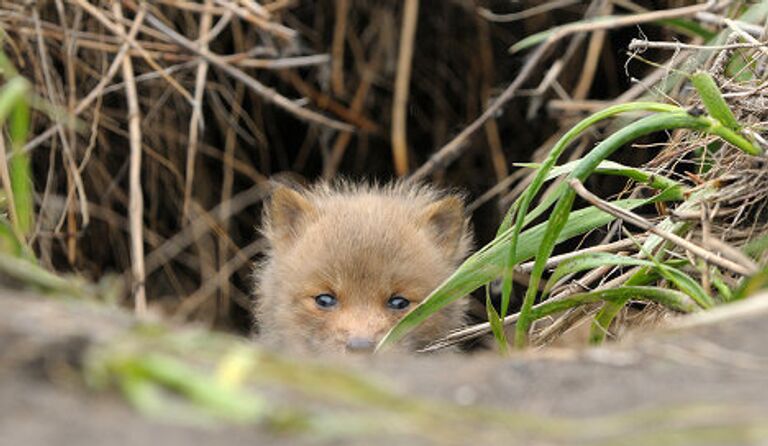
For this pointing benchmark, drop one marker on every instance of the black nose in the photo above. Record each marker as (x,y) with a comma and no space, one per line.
(360,345)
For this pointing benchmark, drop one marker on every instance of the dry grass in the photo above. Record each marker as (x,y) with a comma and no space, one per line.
(188,109)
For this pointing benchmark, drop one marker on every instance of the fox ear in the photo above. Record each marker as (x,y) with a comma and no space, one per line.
(445,219)
(288,213)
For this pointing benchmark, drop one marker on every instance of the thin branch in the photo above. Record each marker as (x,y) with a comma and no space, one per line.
(337,47)
(136,200)
(608,247)
(489,15)
(119,31)
(192,302)
(708,17)
(402,83)
(68,155)
(613,22)
(268,94)
(195,121)
(642,44)
(631,217)
(450,151)
(260,18)
(174,245)
(736,26)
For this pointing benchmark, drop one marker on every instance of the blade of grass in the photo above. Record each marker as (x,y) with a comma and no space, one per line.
(524,200)
(488,263)
(519,209)
(12,93)
(26,272)
(20,169)
(590,261)
(559,216)
(497,323)
(673,299)
(752,285)
(209,395)
(683,282)
(726,294)
(713,100)
(653,243)
(652,179)
(611,308)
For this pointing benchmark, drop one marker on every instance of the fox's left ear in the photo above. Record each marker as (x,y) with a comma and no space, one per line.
(445,219)
(287,215)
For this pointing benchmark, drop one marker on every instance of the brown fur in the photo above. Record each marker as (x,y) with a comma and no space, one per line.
(362,244)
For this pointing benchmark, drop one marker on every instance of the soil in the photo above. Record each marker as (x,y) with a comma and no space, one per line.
(705,381)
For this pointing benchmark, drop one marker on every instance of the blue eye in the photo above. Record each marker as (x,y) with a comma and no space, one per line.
(326,301)
(398,303)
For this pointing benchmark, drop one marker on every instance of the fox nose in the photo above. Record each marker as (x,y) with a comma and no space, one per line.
(360,345)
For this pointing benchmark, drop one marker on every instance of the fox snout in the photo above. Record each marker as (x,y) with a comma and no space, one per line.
(360,339)
(357,344)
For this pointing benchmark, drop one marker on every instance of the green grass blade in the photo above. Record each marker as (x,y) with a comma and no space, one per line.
(9,243)
(208,394)
(652,179)
(519,210)
(559,216)
(669,298)
(524,200)
(752,285)
(713,100)
(684,283)
(20,169)
(689,27)
(488,263)
(643,276)
(497,323)
(593,260)
(607,314)
(14,91)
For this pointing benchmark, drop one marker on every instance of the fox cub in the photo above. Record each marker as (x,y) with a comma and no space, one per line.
(345,263)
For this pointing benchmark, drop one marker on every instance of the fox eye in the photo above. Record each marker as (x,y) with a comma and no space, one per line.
(398,303)
(326,301)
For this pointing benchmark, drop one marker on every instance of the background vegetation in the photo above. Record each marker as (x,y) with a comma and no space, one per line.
(157,128)
(140,139)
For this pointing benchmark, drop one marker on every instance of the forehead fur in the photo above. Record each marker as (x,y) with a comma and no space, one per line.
(399,198)
(369,234)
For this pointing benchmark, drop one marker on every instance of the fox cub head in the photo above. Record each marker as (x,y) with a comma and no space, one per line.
(344,265)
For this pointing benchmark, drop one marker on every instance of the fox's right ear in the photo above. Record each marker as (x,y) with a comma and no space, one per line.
(287,215)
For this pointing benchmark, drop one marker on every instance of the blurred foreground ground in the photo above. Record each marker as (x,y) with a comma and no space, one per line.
(704,384)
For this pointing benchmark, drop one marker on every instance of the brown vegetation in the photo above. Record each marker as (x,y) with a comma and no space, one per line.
(186,110)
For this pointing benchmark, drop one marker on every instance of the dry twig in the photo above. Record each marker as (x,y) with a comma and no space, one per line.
(631,217)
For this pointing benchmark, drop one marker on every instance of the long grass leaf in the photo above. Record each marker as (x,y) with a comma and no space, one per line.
(488,263)
(559,216)
(669,298)
(589,261)
(652,179)
(14,91)
(713,100)
(20,168)
(519,210)
(497,323)
(521,204)
(684,283)
(643,276)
